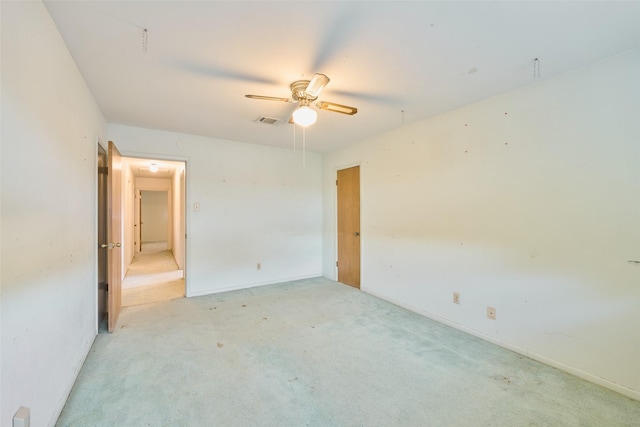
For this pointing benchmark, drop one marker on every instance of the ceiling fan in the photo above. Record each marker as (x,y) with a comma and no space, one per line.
(306,92)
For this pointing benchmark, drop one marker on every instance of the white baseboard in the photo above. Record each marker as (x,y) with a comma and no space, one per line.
(251,285)
(629,392)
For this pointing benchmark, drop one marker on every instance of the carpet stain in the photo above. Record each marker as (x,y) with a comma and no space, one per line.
(502,378)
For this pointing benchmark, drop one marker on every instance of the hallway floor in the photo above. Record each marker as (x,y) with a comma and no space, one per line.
(153,276)
(318,353)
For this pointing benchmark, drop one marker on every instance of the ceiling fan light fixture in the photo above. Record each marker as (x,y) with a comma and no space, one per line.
(153,168)
(304,116)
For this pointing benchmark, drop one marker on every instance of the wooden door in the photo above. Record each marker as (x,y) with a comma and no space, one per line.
(114,233)
(103,274)
(349,226)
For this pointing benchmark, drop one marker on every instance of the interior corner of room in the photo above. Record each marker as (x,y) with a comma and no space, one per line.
(503,204)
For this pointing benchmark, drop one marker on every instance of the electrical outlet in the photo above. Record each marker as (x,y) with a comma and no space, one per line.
(491,313)
(259,266)
(196,207)
(22,418)
(456,298)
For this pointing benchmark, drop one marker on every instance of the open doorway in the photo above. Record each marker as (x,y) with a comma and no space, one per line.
(154,228)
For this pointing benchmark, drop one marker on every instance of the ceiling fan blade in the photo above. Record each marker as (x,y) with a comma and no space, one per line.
(268,98)
(315,86)
(337,108)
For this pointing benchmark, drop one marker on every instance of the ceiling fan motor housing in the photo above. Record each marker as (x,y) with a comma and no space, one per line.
(298,90)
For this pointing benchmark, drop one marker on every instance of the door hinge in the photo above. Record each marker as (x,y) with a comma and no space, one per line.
(336,263)
(336,182)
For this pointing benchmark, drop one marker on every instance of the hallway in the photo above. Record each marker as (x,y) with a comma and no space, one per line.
(153,276)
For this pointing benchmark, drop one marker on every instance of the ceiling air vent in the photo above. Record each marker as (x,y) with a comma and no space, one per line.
(267,120)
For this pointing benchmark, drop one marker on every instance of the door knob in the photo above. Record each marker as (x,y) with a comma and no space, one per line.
(110,245)
(357,233)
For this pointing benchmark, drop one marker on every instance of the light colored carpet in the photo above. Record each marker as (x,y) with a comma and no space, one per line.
(152,293)
(150,278)
(151,247)
(153,276)
(318,353)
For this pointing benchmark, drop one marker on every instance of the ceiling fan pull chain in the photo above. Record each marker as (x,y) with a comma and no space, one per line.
(304,147)
(294,137)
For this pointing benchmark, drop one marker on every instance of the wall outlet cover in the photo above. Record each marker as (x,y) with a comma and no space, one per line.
(22,417)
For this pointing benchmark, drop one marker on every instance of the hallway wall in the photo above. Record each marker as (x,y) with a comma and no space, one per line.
(161,185)
(48,279)
(155,216)
(178,201)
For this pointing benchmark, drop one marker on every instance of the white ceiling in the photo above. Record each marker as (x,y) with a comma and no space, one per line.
(397,62)
(140,167)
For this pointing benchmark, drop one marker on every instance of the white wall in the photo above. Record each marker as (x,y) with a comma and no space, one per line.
(163,185)
(153,184)
(528,202)
(257,205)
(155,216)
(50,124)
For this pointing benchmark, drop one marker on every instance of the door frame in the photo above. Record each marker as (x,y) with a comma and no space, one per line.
(335,217)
